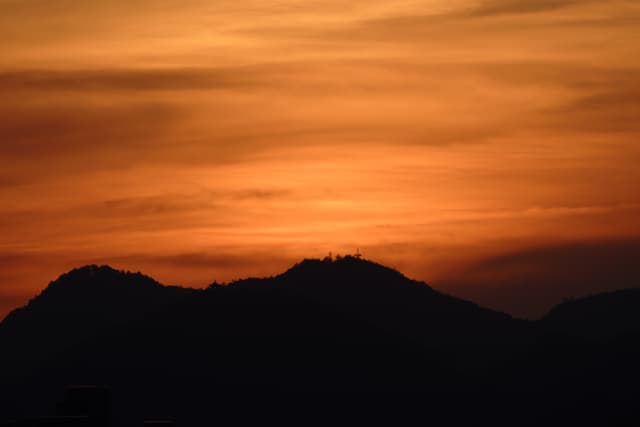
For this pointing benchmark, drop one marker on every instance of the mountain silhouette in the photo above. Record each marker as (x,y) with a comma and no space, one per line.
(332,325)
(605,316)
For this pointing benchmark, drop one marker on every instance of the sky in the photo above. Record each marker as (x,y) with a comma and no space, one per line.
(487,147)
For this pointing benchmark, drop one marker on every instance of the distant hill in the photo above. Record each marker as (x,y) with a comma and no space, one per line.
(324,325)
(603,316)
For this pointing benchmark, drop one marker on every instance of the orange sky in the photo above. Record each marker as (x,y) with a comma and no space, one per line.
(200,141)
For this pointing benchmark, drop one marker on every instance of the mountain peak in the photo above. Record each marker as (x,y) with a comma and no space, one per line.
(96,291)
(94,270)
(348,279)
(348,266)
(100,276)
(89,271)
(95,284)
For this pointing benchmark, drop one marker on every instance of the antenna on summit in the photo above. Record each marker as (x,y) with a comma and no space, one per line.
(358,254)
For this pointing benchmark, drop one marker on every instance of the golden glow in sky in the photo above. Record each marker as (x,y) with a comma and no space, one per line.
(198,140)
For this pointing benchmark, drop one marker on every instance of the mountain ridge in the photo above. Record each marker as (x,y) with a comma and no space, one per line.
(322,325)
(104,275)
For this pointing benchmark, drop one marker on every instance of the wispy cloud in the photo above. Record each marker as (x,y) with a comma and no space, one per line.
(499,7)
(197,133)
(136,79)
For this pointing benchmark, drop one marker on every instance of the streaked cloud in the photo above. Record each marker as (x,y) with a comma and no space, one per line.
(498,7)
(234,137)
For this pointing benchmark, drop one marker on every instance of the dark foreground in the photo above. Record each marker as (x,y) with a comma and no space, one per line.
(330,341)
